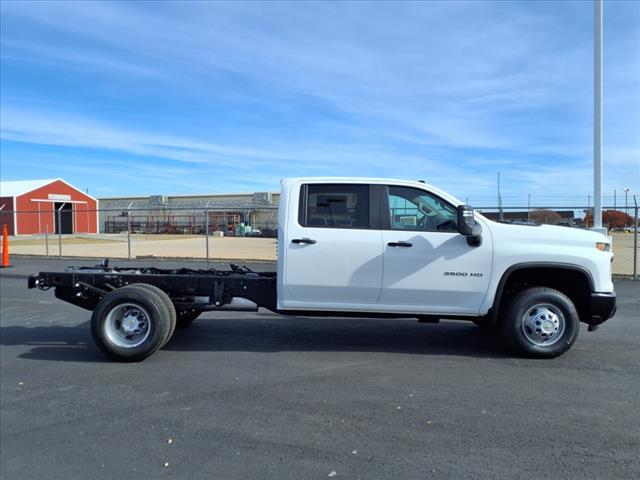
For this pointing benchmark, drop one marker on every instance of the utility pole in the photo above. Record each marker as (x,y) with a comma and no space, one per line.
(597,119)
(529,208)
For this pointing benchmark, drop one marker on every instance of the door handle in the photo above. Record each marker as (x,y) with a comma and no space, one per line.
(400,244)
(309,241)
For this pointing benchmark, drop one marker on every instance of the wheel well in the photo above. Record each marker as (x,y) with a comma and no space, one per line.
(574,284)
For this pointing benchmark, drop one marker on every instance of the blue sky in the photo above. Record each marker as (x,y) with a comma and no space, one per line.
(160,98)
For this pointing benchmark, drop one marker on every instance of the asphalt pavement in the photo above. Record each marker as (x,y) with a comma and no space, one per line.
(259,395)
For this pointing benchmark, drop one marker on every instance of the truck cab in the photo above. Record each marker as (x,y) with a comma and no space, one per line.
(378,246)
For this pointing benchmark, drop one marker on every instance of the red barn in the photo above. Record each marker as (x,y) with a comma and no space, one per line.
(32,206)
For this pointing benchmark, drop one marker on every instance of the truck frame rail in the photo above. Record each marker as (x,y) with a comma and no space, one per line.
(196,289)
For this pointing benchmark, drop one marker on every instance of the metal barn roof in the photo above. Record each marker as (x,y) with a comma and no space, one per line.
(15,188)
(20,187)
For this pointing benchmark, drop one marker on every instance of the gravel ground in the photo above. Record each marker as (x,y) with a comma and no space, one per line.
(257,395)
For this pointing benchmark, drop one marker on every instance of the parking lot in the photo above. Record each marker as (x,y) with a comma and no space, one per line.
(258,395)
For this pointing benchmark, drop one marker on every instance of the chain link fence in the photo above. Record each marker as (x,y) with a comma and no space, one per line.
(197,231)
(180,232)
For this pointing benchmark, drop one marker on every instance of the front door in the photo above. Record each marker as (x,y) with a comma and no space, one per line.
(428,266)
(334,250)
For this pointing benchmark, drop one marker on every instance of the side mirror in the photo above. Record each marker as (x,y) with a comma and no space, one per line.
(467,225)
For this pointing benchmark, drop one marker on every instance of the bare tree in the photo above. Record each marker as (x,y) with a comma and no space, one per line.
(545,216)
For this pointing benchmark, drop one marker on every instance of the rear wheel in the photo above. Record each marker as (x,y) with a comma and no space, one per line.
(168,303)
(540,322)
(186,317)
(130,323)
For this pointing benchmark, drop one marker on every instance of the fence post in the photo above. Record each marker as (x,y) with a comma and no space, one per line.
(60,232)
(206,228)
(206,233)
(129,230)
(635,240)
(128,236)
(46,240)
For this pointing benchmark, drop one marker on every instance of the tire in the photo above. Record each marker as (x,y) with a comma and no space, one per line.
(540,322)
(168,303)
(186,318)
(147,318)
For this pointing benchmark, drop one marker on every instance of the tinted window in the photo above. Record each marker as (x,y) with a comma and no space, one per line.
(335,206)
(414,209)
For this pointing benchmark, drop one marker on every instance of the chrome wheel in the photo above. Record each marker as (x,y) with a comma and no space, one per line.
(127,325)
(543,324)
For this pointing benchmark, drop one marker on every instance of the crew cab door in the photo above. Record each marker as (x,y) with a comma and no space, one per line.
(333,258)
(428,265)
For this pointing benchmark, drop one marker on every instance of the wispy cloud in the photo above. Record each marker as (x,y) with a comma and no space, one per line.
(450,91)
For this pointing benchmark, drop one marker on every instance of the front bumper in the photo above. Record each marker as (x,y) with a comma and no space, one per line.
(603,307)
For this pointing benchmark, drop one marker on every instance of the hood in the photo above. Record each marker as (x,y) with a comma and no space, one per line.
(548,233)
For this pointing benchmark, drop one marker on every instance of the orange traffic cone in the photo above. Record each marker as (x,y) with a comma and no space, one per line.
(5,248)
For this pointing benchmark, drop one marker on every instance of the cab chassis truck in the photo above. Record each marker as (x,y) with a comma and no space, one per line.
(368,248)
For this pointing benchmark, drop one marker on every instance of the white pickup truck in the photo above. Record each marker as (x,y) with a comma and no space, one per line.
(370,247)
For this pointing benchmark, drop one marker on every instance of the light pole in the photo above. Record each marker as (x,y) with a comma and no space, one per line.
(597,118)
(626,214)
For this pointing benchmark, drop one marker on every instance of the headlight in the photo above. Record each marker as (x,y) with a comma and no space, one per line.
(603,247)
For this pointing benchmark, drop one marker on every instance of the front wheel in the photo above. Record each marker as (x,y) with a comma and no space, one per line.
(540,322)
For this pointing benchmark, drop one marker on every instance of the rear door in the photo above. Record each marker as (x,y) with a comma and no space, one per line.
(428,266)
(334,255)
